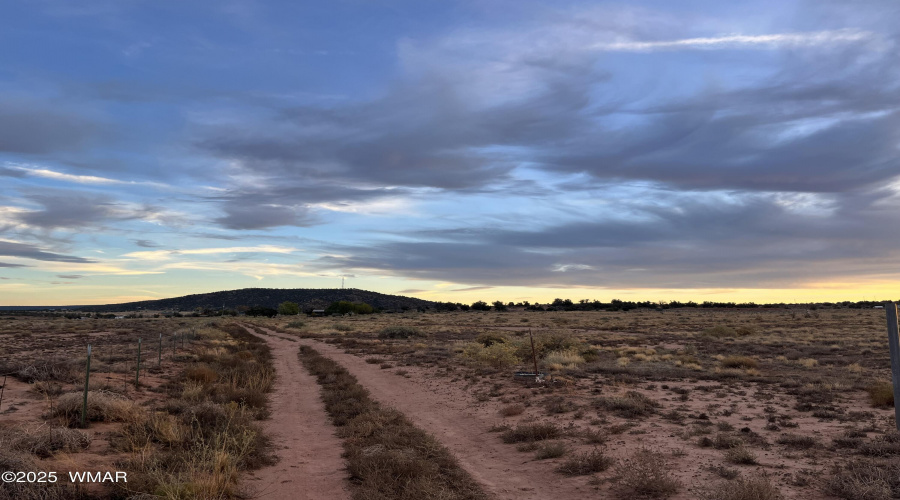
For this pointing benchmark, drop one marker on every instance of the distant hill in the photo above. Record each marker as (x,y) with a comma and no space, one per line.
(308,298)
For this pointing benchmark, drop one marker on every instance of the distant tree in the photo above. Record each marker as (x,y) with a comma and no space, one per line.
(346,307)
(262,311)
(464,307)
(481,306)
(289,308)
(500,306)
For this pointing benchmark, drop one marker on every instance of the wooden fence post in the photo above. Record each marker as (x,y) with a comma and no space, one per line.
(87,384)
(159,354)
(894,342)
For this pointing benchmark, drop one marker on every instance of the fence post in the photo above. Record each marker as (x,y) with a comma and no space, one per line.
(894,342)
(174,345)
(2,388)
(182,340)
(137,371)
(87,384)
(159,354)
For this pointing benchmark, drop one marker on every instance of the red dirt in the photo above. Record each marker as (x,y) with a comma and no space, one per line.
(446,413)
(310,466)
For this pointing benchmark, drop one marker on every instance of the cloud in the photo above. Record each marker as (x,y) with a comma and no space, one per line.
(700,241)
(412,290)
(70,276)
(145,243)
(739,41)
(29,251)
(29,126)
(165,254)
(7,264)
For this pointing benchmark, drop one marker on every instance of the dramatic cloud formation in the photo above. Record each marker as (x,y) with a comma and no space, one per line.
(466,148)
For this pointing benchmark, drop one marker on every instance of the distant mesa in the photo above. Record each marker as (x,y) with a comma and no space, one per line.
(307,298)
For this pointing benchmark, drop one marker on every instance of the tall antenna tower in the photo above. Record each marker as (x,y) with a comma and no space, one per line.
(342,282)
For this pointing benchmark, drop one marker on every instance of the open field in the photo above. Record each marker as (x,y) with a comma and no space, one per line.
(184,429)
(682,404)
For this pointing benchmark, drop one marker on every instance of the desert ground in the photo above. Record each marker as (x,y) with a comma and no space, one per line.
(790,403)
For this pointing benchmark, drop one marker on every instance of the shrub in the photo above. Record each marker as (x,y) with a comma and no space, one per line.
(44,442)
(488,339)
(531,432)
(645,474)
(296,324)
(740,455)
(568,358)
(864,480)
(754,488)
(744,362)
(632,404)
(495,356)
(586,463)
(719,331)
(798,442)
(201,374)
(346,307)
(550,450)
(512,410)
(882,394)
(343,327)
(102,406)
(400,332)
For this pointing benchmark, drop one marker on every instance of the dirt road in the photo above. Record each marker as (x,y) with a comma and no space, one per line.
(310,466)
(445,412)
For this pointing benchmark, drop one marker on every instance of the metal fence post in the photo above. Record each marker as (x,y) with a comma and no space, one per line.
(894,342)
(159,354)
(137,371)
(87,384)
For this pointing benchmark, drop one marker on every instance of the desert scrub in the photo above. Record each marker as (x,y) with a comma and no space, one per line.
(102,406)
(864,480)
(550,450)
(43,441)
(531,432)
(586,463)
(645,474)
(752,488)
(882,394)
(387,457)
(200,444)
(722,331)
(568,358)
(744,362)
(633,404)
(497,355)
(512,410)
(400,332)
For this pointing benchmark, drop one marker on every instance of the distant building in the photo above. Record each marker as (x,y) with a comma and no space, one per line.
(318,312)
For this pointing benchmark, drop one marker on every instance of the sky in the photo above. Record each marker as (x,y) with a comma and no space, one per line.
(455,151)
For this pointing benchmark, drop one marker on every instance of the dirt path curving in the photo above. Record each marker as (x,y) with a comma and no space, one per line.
(445,412)
(310,466)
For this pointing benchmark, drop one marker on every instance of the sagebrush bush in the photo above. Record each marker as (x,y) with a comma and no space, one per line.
(882,394)
(633,404)
(586,463)
(645,474)
(400,332)
(499,355)
(753,488)
(745,362)
(531,432)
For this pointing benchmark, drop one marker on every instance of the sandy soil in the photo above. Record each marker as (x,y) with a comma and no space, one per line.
(446,412)
(310,466)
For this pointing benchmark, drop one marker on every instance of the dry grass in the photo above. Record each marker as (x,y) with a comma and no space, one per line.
(753,488)
(646,474)
(632,405)
(861,479)
(44,441)
(882,394)
(583,464)
(103,406)
(387,457)
(531,432)
(743,362)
